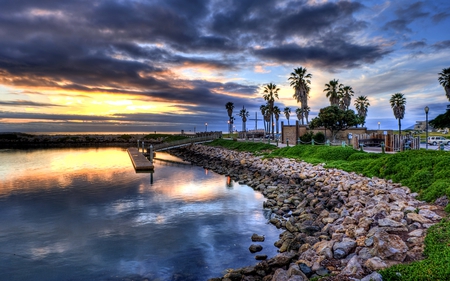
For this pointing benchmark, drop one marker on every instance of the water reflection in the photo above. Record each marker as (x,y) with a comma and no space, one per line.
(85,214)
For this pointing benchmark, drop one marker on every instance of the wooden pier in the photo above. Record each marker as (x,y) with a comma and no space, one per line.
(140,162)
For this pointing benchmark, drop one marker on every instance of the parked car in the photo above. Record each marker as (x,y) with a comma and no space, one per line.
(438,140)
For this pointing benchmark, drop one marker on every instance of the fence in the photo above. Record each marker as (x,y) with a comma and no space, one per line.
(391,142)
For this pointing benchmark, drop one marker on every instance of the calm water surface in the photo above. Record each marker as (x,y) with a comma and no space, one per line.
(84,214)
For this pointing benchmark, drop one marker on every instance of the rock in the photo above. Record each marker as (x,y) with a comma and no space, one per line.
(342,249)
(257,238)
(374,276)
(353,267)
(255,248)
(281,259)
(260,257)
(280,275)
(389,223)
(417,218)
(375,264)
(416,233)
(389,246)
(305,269)
(294,270)
(429,214)
(442,201)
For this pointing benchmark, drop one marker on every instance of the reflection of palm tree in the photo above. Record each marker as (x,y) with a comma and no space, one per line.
(300,82)
(333,89)
(230,106)
(270,93)
(362,104)
(398,102)
(444,80)
(244,114)
(346,94)
(276,112)
(287,113)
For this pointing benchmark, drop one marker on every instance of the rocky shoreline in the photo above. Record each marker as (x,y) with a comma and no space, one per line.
(337,225)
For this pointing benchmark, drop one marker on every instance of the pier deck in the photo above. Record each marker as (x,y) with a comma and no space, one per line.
(140,162)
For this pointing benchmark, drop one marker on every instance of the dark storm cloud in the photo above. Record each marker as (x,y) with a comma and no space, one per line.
(405,16)
(416,45)
(26,103)
(441,45)
(440,17)
(333,54)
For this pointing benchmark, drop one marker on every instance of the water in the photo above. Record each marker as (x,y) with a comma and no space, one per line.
(84,214)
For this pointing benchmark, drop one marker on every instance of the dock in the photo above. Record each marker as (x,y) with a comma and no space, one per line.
(140,162)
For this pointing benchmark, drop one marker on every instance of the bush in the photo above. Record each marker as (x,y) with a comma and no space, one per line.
(319,137)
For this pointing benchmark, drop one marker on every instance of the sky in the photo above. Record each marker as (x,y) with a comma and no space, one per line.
(172,65)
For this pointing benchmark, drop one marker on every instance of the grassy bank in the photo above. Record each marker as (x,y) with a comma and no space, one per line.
(424,172)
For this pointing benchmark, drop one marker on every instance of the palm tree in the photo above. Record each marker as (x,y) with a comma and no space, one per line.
(299,113)
(300,82)
(244,114)
(346,94)
(444,80)
(230,106)
(264,110)
(361,105)
(276,112)
(306,111)
(287,113)
(270,93)
(333,90)
(398,102)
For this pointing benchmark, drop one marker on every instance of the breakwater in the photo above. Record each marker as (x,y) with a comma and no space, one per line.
(336,224)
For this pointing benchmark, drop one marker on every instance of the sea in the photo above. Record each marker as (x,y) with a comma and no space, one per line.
(86,214)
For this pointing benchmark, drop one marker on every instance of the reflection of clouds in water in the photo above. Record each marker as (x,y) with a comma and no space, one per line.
(42,252)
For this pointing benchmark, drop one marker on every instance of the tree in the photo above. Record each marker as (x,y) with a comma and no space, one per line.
(334,119)
(299,113)
(306,111)
(287,113)
(441,121)
(332,90)
(264,112)
(444,80)
(244,114)
(276,112)
(346,94)
(270,93)
(300,82)
(230,106)
(398,102)
(362,104)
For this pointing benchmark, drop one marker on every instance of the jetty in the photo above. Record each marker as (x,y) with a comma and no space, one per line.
(140,162)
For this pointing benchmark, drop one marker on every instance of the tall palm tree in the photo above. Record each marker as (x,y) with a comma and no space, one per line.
(300,82)
(276,112)
(398,102)
(264,110)
(362,104)
(287,113)
(244,114)
(299,113)
(346,94)
(229,107)
(306,111)
(333,89)
(444,80)
(269,95)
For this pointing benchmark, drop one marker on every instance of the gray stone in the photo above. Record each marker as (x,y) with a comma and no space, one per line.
(255,248)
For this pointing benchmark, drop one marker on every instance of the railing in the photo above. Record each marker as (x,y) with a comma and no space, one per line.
(179,143)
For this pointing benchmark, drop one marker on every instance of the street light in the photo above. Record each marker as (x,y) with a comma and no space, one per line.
(206,127)
(379,125)
(426,125)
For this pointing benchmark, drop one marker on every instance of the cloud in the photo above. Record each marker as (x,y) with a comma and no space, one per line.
(441,45)
(415,45)
(28,103)
(405,16)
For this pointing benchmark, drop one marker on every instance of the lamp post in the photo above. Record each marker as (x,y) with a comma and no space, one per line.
(379,125)
(426,125)
(206,127)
